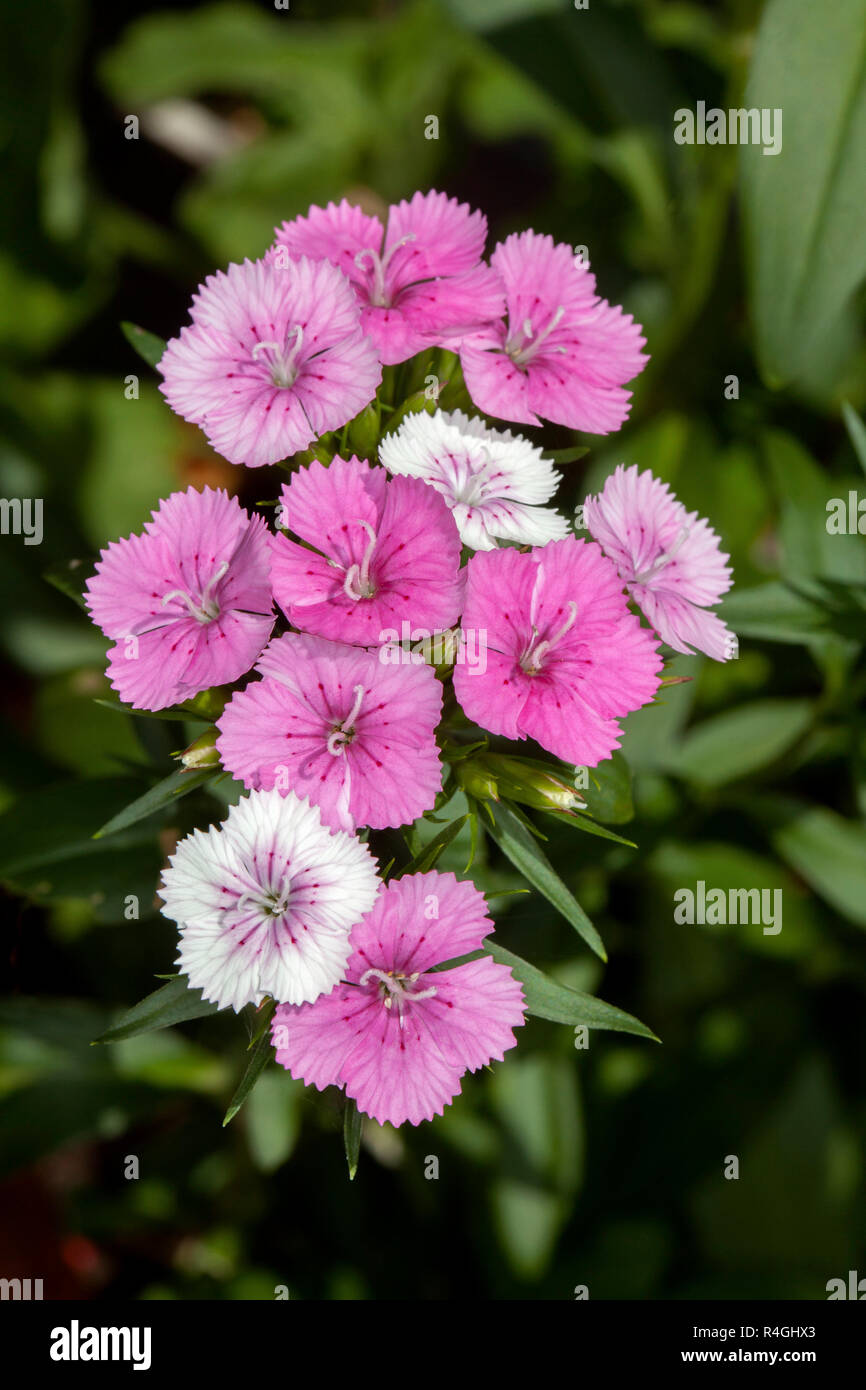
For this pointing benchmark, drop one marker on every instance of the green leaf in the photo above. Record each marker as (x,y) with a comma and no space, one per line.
(740,741)
(856,432)
(776,612)
(608,793)
(174,1003)
(428,856)
(561,456)
(352,1125)
(589,827)
(177,784)
(829,852)
(545,998)
(172,715)
(518,845)
(803,206)
(70,577)
(147,345)
(259,1059)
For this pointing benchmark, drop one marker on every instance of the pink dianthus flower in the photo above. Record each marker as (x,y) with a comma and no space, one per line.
(397,1034)
(388,553)
(333,723)
(560,353)
(188,603)
(565,657)
(418,281)
(274,357)
(669,560)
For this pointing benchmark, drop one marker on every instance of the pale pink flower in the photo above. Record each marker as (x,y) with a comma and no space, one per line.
(397,1034)
(334,724)
(565,657)
(265,902)
(491,479)
(419,281)
(188,603)
(275,356)
(385,551)
(561,353)
(668,559)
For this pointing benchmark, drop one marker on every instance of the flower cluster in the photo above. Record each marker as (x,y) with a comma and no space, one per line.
(440,533)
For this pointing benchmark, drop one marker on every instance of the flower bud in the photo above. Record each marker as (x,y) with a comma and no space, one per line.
(440,649)
(202,753)
(413,405)
(363,432)
(529,783)
(209,703)
(473,778)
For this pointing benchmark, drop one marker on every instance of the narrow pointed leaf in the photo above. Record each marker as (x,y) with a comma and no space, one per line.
(546,998)
(259,1058)
(352,1124)
(177,784)
(518,845)
(174,1003)
(147,345)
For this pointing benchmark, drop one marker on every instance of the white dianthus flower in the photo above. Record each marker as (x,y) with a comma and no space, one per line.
(492,480)
(265,902)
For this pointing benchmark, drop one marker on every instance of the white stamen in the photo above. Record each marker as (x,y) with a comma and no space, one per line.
(537,651)
(207,608)
(357,584)
(665,558)
(395,985)
(378,295)
(339,737)
(522,349)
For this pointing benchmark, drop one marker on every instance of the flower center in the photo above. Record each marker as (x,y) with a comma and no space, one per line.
(359,583)
(664,558)
(207,608)
(342,734)
(523,346)
(281,360)
(272,903)
(379,294)
(393,987)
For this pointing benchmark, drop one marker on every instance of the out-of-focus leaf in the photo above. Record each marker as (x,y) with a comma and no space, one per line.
(70,577)
(829,852)
(802,205)
(740,741)
(272,1119)
(804,491)
(856,432)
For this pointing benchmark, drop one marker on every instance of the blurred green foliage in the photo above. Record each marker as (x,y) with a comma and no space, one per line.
(600,1166)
